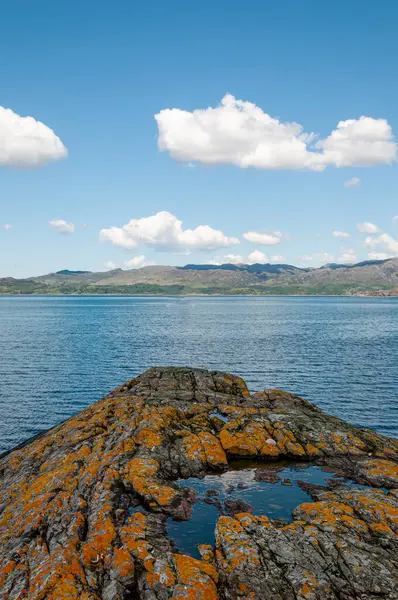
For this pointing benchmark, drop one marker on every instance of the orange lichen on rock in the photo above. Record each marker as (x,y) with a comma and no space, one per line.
(310,585)
(196,579)
(215,455)
(154,421)
(251,439)
(248,520)
(141,474)
(377,509)
(238,548)
(71,527)
(312,450)
(193,447)
(67,588)
(332,515)
(133,534)
(381,469)
(102,536)
(163,574)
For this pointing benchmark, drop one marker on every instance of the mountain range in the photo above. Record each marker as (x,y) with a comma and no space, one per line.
(365,278)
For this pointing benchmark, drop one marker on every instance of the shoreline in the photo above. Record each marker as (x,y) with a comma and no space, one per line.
(148,295)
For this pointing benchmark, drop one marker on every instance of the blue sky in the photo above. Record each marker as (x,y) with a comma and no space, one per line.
(96,74)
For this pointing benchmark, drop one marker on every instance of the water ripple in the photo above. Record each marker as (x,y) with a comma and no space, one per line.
(59,354)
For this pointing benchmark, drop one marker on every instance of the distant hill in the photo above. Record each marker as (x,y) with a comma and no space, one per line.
(256,268)
(365,278)
(67,272)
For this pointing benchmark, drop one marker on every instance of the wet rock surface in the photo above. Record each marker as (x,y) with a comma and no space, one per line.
(84,506)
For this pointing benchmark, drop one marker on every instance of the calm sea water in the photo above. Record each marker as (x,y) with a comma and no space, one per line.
(274,500)
(58,354)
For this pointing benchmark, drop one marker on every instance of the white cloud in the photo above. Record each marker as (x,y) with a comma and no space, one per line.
(304,258)
(118,236)
(237,259)
(348,256)
(354,181)
(278,259)
(62,226)
(240,133)
(323,257)
(25,142)
(265,239)
(389,243)
(379,255)
(319,258)
(7,226)
(164,232)
(362,142)
(138,261)
(340,234)
(257,257)
(395,218)
(370,242)
(368,228)
(234,259)
(109,265)
(385,240)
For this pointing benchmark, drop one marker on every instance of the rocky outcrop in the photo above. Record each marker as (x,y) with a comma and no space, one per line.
(70,528)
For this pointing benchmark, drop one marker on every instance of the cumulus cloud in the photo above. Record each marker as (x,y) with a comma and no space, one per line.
(164,232)
(118,236)
(340,234)
(62,226)
(264,239)
(362,142)
(354,181)
(378,255)
(7,226)
(324,257)
(385,240)
(234,259)
(278,259)
(370,242)
(319,258)
(389,242)
(138,261)
(110,265)
(239,133)
(348,256)
(368,228)
(25,142)
(257,257)
(304,258)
